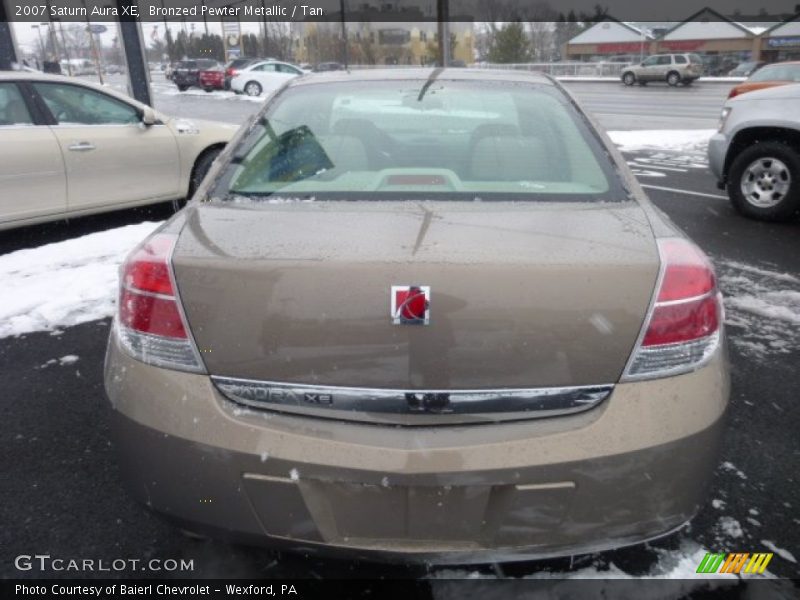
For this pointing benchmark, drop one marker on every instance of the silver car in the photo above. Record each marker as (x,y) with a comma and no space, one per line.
(672,68)
(755,155)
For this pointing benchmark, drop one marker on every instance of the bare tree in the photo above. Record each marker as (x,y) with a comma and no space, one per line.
(540,17)
(76,40)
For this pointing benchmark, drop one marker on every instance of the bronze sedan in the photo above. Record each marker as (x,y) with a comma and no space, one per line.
(420,315)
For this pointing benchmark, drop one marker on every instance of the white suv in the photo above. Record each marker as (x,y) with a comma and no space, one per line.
(672,68)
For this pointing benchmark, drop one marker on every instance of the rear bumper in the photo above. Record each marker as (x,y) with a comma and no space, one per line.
(631,469)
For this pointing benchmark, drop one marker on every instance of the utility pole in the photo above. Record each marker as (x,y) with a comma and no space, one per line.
(345,57)
(66,50)
(52,32)
(41,45)
(443,32)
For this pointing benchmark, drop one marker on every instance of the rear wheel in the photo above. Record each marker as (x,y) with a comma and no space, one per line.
(201,167)
(208,90)
(764,182)
(252,88)
(673,78)
(629,78)
(182,88)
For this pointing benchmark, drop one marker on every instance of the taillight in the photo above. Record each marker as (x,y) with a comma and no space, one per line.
(733,93)
(150,322)
(682,330)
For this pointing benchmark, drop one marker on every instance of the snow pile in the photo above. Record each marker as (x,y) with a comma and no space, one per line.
(65,283)
(762,308)
(678,140)
(215,95)
(730,527)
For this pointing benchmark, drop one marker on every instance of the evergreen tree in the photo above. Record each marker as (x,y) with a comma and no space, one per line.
(510,45)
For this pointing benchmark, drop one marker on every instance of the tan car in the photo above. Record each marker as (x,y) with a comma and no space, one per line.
(70,148)
(420,315)
(674,69)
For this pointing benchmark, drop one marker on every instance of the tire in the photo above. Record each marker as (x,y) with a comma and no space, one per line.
(208,90)
(764,182)
(673,78)
(183,88)
(201,167)
(628,78)
(253,88)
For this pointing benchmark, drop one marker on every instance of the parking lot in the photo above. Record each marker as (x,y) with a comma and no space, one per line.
(59,464)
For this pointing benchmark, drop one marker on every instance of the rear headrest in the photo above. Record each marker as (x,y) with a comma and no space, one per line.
(347,153)
(509,158)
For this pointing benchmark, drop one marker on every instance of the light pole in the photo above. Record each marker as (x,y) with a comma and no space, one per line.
(66,49)
(41,44)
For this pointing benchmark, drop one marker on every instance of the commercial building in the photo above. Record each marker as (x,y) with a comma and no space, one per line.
(782,41)
(721,42)
(610,40)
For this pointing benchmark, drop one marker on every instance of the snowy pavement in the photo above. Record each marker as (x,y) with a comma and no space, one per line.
(54,310)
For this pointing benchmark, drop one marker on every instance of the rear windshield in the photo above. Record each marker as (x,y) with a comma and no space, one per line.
(206,63)
(420,138)
(777,73)
(187,64)
(695,58)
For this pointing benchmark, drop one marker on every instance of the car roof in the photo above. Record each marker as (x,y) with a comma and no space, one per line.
(423,73)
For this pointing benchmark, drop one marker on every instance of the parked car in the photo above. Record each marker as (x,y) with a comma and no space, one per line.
(675,69)
(187,72)
(234,66)
(70,148)
(745,69)
(338,348)
(263,77)
(212,79)
(769,76)
(755,155)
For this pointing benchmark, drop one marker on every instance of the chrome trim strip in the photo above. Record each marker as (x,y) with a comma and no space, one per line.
(537,402)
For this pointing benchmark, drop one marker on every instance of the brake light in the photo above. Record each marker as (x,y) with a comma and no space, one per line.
(733,93)
(150,324)
(684,325)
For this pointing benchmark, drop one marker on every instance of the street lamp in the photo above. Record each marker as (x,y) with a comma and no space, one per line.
(41,44)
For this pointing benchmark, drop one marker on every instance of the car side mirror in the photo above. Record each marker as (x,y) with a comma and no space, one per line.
(148,116)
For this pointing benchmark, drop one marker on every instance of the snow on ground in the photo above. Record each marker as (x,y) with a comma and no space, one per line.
(729,466)
(762,308)
(215,95)
(678,140)
(679,566)
(730,527)
(784,554)
(65,283)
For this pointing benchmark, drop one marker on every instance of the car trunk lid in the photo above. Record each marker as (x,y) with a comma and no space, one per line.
(521,294)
